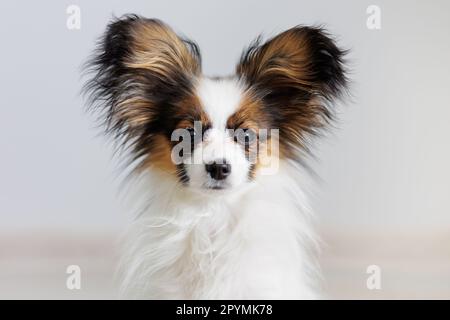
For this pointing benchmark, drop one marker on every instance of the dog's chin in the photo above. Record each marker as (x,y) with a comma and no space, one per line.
(217,189)
(213,189)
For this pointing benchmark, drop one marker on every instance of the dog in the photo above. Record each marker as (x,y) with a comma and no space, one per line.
(217,161)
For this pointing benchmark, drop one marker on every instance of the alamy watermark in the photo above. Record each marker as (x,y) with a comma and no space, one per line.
(73,21)
(73,281)
(261,146)
(373,282)
(374,19)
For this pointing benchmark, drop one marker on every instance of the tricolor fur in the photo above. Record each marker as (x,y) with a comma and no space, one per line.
(213,225)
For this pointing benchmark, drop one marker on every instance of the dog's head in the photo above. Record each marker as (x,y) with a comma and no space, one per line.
(212,133)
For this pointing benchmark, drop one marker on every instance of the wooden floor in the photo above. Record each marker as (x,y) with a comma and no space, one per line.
(413,266)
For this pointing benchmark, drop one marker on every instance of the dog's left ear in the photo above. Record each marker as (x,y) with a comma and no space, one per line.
(296,74)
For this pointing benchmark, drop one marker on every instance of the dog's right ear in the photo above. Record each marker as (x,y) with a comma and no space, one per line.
(140,66)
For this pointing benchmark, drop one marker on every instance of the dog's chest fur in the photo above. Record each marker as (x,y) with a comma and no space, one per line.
(247,246)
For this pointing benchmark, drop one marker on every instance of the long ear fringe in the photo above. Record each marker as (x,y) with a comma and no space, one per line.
(138,66)
(113,77)
(299,74)
(306,56)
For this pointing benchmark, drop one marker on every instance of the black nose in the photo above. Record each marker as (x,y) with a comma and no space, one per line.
(218,171)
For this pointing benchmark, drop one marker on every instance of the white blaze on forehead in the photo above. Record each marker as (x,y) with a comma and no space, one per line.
(220,99)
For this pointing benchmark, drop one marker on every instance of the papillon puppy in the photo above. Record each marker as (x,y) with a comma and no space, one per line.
(217,160)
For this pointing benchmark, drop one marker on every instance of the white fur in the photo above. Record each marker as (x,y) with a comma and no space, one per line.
(220,99)
(249,242)
(218,146)
(253,245)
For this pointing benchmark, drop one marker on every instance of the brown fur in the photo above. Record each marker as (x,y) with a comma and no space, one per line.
(295,76)
(145,77)
(157,48)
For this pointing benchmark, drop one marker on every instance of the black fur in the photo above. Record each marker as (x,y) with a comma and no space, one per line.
(297,75)
(111,82)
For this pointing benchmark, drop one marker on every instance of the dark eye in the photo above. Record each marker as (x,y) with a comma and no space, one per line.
(245,136)
(194,136)
(192,132)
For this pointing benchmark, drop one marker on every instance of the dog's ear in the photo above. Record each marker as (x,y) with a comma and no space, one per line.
(296,74)
(140,68)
